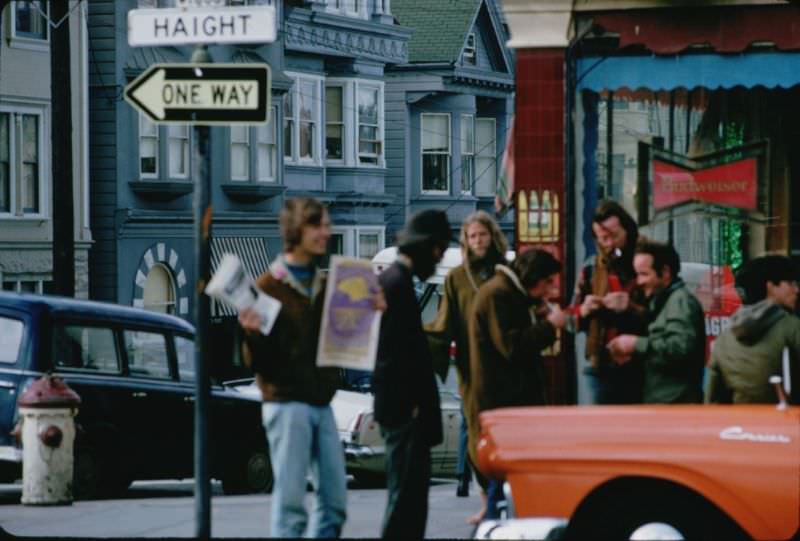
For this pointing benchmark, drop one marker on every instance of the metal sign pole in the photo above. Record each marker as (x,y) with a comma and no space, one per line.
(201,173)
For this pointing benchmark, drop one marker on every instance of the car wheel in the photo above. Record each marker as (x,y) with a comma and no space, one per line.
(671,514)
(251,473)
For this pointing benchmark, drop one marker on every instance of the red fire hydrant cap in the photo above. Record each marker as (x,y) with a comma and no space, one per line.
(49,392)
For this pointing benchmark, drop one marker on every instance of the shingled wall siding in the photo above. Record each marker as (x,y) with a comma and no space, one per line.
(103,100)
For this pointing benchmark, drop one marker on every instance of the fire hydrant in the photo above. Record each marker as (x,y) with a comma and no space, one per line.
(47,409)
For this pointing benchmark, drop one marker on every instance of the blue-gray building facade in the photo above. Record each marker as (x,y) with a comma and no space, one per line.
(325,139)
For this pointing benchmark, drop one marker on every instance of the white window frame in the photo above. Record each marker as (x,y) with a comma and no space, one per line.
(485,149)
(470,54)
(163,157)
(467,152)
(350,151)
(352,234)
(28,42)
(422,152)
(318,102)
(248,152)
(15,112)
(252,143)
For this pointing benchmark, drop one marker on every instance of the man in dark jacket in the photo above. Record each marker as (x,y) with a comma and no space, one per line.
(751,350)
(511,323)
(674,349)
(406,396)
(297,415)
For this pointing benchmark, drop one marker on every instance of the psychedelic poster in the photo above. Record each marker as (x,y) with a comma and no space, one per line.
(350,323)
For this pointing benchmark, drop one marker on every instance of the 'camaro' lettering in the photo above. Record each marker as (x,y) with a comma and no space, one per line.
(738,433)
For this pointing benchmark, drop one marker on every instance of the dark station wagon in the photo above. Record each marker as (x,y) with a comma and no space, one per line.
(134,372)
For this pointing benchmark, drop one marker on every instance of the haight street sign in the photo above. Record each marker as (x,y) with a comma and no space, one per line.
(178,26)
(203,93)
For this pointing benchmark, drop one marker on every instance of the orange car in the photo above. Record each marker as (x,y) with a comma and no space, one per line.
(638,472)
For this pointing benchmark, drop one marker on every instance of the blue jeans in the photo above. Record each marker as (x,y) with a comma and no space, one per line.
(494,495)
(462,466)
(303,437)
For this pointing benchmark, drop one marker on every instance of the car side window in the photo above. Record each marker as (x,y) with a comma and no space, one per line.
(84,347)
(147,354)
(10,339)
(184,348)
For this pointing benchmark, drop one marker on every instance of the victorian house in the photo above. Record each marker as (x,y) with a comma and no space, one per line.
(448,110)
(26,164)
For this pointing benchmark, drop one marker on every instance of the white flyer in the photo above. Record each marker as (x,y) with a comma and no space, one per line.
(233,286)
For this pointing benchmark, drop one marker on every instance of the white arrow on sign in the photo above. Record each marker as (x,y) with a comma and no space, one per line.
(158,94)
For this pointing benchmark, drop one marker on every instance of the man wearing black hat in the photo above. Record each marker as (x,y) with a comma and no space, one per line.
(406,397)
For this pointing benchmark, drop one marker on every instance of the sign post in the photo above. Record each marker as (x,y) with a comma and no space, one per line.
(202,94)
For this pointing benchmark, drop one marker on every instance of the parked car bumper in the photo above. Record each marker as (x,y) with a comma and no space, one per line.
(363,458)
(549,528)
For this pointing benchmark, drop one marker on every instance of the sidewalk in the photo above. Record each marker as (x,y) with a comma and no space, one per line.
(166,509)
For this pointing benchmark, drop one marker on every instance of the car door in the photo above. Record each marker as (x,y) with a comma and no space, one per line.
(159,403)
(15,350)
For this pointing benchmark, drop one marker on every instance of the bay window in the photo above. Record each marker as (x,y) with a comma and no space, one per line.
(354,116)
(435,153)
(30,20)
(358,241)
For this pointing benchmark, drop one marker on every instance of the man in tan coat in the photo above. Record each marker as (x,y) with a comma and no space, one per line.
(511,323)
(483,246)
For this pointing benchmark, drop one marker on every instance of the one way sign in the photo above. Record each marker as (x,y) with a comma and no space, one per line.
(203,93)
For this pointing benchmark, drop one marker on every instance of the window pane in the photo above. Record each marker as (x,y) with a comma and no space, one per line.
(435,172)
(177,157)
(266,132)
(486,156)
(89,348)
(147,150)
(266,162)
(467,135)
(368,105)
(334,134)
(184,348)
(147,354)
(288,149)
(10,339)
(30,185)
(306,140)
(239,134)
(30,149)
(368,245)
(159,292)
(240,162)
(467,173)
(306,99)
(5,164)
(435,133)
(288,104)
(336,244)
(146,127)
(333,103)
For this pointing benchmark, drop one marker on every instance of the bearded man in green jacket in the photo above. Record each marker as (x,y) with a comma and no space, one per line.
(673,351)
(751,350)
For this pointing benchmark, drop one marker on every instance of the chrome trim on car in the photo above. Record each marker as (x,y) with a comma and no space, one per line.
(357,451)
(550,528)
(510,511)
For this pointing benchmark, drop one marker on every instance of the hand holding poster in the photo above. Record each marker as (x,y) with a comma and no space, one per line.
(233,286)
(350,322)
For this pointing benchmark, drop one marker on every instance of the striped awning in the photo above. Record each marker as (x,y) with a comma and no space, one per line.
(254,255)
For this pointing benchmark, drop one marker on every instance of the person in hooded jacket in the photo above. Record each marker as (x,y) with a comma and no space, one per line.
(748,352)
